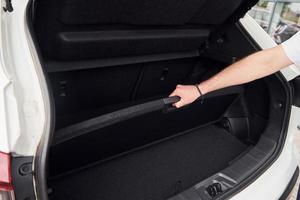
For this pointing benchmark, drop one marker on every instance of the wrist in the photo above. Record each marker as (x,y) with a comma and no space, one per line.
(200,94)
(202,88)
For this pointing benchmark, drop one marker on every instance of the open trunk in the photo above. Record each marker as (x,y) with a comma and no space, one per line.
(111,66)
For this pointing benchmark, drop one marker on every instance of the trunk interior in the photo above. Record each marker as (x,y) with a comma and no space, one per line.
(111,66)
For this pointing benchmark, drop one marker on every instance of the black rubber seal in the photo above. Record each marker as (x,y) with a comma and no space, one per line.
(290,186)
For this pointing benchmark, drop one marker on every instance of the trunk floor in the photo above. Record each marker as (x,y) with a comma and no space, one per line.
(153,173)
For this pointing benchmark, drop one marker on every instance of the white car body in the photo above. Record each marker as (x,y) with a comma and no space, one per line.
(25,106)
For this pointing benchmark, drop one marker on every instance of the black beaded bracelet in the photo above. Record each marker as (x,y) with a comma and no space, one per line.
(201,95)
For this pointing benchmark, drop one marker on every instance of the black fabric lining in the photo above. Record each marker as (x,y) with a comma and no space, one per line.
(125,153)
(143,12)
(80,90)
(128,12)
(138,82)
(215,12)
(69,30)
(153,172)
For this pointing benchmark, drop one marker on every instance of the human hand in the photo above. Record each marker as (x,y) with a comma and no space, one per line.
(187,93)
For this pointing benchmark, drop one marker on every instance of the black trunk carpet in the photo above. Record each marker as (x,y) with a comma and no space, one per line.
(153,173)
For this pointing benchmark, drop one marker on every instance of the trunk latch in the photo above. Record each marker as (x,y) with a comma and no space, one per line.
(214,189)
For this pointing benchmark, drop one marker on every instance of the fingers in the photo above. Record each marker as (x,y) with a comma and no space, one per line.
(174,94)
(187,93)
(177,93)
(178,104)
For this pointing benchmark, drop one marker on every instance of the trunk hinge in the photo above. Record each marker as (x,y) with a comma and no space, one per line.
(8,6)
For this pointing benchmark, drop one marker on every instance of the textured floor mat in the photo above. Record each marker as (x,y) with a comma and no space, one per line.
(153,173)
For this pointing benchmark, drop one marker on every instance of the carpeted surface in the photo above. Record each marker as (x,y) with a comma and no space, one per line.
(153,173)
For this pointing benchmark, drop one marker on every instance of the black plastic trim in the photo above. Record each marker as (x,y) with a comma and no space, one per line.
(109,119)
(119,43)
(22,176)
(296,91)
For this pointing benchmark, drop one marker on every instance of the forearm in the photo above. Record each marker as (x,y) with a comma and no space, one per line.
(253,67)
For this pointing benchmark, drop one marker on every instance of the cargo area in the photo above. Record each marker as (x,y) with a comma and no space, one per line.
(156,171)
(111,65)
(141,149)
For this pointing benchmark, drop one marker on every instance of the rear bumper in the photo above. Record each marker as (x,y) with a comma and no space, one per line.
(276,181)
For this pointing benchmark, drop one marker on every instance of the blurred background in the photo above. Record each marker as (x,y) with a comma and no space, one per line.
(281,18)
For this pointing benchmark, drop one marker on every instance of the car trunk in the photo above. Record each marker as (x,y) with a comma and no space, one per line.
(141,147)
(111,66)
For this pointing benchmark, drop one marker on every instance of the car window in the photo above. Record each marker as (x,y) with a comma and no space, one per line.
(280,19)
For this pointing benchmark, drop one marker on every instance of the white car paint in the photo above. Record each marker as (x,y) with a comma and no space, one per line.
(262,38)
(25,107)
(22,97)
(271,184)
